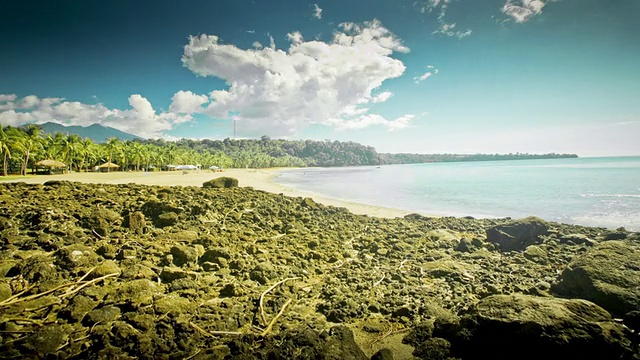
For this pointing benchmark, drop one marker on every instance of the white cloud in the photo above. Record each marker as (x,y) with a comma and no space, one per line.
(450,30)
(382,97)
(367,120)
(7,97)
(186,102)
(140,120)
(295,37)
(279,92)
(317,11)
(257,45)
(426,75)
(523,10)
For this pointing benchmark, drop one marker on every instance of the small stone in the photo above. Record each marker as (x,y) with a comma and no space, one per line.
(103,315)
(106,268)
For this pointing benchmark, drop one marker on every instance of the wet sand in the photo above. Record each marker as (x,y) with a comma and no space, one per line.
(260,179)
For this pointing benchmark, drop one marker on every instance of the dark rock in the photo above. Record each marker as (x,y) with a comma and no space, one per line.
(632,320)
(383,354)
(166,219)
(103,315)
(102,221)
(76,255)
(608,274)
(221,182)
(78,307)
(106,268)
(519,234)
(433,349)
(536,328)
(615,235)
(465,245)
(136,222)
(183,255)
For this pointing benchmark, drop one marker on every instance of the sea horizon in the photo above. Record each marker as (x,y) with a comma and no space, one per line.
(595,191)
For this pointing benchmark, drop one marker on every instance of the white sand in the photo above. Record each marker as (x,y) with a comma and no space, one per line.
(258,179)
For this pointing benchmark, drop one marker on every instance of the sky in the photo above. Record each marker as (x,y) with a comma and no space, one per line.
(426,76)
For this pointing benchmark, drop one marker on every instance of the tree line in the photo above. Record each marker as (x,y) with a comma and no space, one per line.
(22,147)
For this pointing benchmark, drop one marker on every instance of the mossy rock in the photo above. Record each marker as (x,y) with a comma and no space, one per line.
(221,182)
(608,274)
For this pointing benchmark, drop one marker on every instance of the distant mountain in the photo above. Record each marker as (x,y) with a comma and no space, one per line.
(95,132)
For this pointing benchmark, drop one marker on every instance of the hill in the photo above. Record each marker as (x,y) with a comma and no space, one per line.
(95,132)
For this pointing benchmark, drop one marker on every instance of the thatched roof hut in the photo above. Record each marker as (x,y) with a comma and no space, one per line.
(51,164)
(108,165)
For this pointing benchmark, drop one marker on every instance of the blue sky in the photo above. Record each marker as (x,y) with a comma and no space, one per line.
(430,76)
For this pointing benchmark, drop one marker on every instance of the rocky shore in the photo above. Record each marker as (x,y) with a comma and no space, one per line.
(220,271)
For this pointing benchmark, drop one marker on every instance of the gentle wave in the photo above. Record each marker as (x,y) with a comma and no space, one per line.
(612,195)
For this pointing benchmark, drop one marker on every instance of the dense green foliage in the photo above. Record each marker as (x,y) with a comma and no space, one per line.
(426,158)
(21,148)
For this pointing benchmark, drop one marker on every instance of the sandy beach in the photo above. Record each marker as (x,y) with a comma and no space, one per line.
(260,179)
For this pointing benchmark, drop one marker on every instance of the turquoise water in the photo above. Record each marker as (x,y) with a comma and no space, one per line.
(587,191)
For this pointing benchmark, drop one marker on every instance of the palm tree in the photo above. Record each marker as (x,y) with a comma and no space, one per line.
(5,149)
(113,148)
(30,142)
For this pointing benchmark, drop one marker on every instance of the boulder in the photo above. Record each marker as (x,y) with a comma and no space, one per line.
(221,182)
(531,327)
(518,234)
(608,274)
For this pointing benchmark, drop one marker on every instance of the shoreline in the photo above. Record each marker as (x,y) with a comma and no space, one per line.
(259,179)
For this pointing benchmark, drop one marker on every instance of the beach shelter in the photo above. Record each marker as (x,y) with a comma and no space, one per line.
(51,164)
(108,166)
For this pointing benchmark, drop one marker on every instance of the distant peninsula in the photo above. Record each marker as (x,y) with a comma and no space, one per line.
(405,158)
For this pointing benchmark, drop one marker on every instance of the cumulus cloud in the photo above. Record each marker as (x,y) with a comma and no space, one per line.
(382,97)
(279,92)
(141,119)
(317,11)
(523,10)
(186,102)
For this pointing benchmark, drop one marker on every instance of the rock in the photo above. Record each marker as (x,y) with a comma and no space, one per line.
(166,219)
(135,293)
(76,255)
(170,274)
(465,245)
(308,203)
(383,354)
(433,349)
(173,305)
(102,221)
(221,182)
(5,291)
(184,255)
(615,235)
(608,274)
(443,238)
(536,254)
(576,239)
(530,327)
(103,315)
(106,268)
(519,234)
(79,306)
(136,222)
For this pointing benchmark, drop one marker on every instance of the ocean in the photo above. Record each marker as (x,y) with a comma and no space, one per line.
(603,192)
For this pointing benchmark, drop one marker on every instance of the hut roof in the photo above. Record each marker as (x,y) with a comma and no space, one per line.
(108,164)
(51,163)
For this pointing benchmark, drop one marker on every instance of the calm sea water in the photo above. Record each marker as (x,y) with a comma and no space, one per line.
(587,191)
